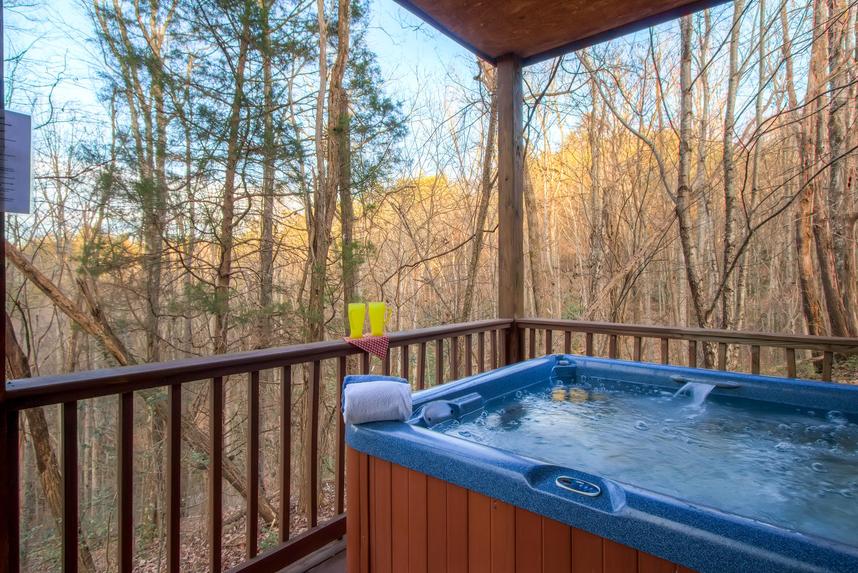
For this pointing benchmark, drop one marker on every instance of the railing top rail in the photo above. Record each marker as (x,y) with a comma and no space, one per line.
(45,390)
(824,343)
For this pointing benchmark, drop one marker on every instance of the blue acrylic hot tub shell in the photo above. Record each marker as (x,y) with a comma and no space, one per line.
(701,538)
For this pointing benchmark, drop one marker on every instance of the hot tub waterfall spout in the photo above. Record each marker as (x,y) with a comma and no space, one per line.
(697,390)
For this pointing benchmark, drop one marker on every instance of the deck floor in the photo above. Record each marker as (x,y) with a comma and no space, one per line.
(335,564)
(329,559)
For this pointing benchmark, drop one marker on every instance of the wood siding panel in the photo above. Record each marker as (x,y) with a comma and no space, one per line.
(617,558)
(528,541)
(503,537)
(479,533)
(457,529)
(365,532)
(380,520)
(399,517)
(651,564)
(403,520)
(417,533)
(436,519)
(586,552)
(556,546)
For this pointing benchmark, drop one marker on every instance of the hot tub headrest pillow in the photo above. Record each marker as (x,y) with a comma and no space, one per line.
(369,398)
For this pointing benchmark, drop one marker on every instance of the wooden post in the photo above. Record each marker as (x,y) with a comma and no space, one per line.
(510,198)
(9,487)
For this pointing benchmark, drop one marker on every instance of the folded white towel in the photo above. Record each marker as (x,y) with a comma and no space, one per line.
(376,401)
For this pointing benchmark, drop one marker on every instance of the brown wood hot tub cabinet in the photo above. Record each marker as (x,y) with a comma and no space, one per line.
(402,521)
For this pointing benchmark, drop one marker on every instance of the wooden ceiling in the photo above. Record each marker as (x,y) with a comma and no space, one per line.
(536,30)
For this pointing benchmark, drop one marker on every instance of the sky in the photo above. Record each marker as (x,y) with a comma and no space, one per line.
(56,37)
(420,66)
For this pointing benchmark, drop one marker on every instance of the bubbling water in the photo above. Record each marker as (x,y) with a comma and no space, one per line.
(787,466)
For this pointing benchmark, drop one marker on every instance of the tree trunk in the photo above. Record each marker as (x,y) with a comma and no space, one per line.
(534,244)
(486,183)
(816,139)
(728,293)
(596,208)
(808,289)
(269,154)
(742,266)
(350,255)
(190,216)
(328,165)
(804,240)
(226,239)
(839,208)
(683,191)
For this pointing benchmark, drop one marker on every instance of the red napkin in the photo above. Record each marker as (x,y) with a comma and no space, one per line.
(373,344)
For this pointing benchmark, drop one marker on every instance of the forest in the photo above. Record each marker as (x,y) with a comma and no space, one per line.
(253,167)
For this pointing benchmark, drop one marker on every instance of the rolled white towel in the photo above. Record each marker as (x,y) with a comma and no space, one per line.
(376,401)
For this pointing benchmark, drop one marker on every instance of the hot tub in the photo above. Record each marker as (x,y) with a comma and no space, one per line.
(570,463)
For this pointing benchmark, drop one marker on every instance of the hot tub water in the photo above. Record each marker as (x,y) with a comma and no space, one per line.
(791,467)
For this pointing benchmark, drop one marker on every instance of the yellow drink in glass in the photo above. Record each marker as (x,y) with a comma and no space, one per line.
(377,318)
(357,316)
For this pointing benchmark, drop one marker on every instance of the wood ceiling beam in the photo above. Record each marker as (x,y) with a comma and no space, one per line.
(623,30)
(575,43)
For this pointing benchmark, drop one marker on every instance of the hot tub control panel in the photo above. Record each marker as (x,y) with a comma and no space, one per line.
(578,486)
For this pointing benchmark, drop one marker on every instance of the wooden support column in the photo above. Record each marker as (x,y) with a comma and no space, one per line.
(510,199)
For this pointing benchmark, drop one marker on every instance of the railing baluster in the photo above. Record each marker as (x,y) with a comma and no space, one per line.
(567,342)
(285,452)
(588,343)
(174,478)
(827,362)
(312,473)
(638,351)
(364,363)
(252,458)
(549,342)
(70,486)
(342,370)
(665,351)
(469,355)
(439,361)
(385,363)
(481,351)
(494,345)
(454,358)
(404,366)
(216,474)
(790,360)
(613,347)
(125,481)
(755,359)
(421,367)
(531,343)
(692,353)
(722,356)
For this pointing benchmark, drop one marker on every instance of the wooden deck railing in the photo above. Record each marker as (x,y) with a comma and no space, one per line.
(67,390)
(694,339)
(426,357)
